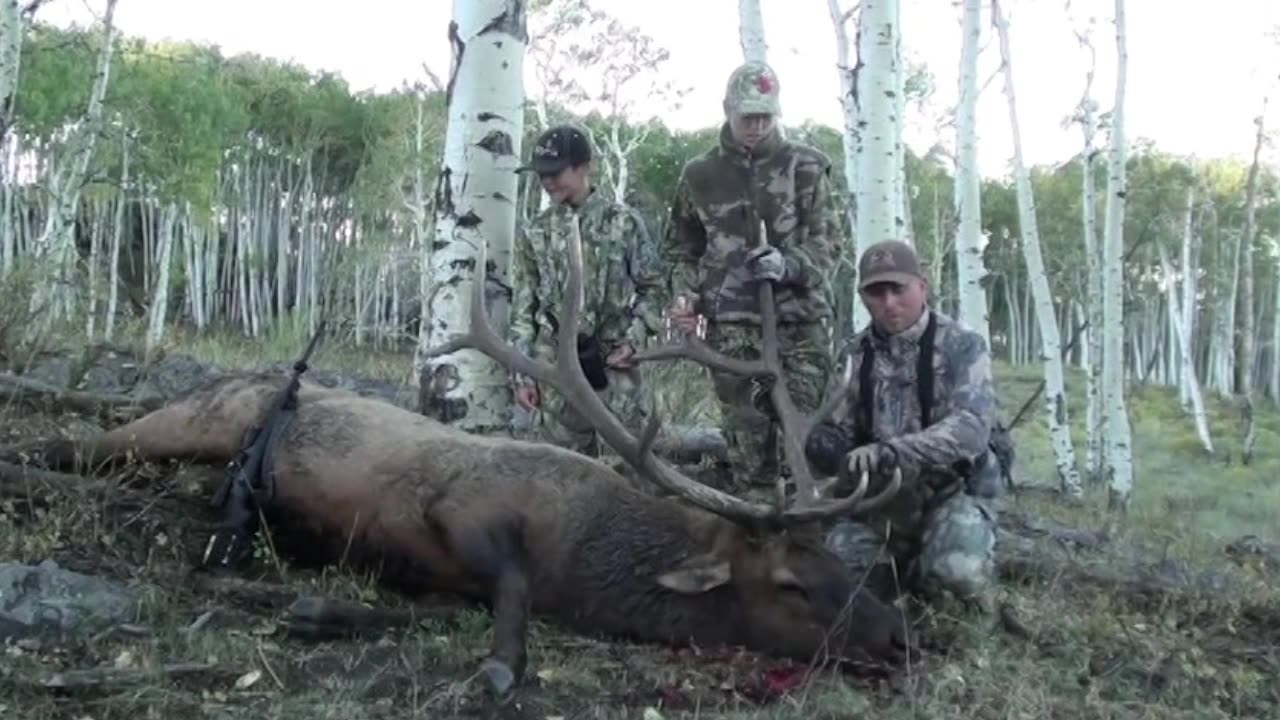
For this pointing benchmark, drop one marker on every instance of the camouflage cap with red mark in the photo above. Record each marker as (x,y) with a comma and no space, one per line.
(753,88)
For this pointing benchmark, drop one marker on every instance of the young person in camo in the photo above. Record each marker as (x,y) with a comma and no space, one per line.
(621,281)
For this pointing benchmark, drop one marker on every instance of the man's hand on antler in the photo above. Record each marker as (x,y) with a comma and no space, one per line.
(681,313)
(620,357)
(767,263)
(527,396)
(872,458)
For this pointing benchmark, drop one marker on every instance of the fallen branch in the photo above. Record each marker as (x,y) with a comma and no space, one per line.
(255,593)
(93,677)
(20,389)
(317,618)
(19,480)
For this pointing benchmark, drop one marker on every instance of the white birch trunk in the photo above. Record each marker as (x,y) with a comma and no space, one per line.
(1188,369)
(751,31)
(95,259)
(1248,322)
(880,151)
(1119,451)
(1094,452)
(849,104)
(475,207)
(1249,334)
(54,294)
(11,31)
(1275,337)
(160,290)
(283,208)
(970,270)
(1190,283)
(117,233)
(1051,344)
(418,209)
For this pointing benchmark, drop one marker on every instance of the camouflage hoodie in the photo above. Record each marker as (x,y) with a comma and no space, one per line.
(622,276)
(719,201)
(963,406)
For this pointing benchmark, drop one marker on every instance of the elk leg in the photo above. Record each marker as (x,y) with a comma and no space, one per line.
(494,552)
(506,662)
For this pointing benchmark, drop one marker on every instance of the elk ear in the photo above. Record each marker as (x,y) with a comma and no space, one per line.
(697,575)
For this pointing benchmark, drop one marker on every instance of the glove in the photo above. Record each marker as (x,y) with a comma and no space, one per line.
(872,459)
(767,263)
(826,446)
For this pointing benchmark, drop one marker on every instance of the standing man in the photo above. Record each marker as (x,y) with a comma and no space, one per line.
(921,400)
(717,260)
(621,277)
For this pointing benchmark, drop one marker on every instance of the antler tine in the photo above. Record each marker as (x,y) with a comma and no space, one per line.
(692,348)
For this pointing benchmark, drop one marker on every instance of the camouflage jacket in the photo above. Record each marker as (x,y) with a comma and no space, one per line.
(964,403)
(622,277)
(719,201)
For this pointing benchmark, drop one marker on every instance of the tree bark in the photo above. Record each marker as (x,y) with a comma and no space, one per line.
(970,269)
(1051,343)
(1119,451)
(880,150)
(475,204)
(751,31)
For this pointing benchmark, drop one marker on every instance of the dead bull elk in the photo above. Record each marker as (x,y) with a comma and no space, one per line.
(529,527)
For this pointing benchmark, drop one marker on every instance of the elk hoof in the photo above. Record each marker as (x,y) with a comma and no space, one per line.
(500,676)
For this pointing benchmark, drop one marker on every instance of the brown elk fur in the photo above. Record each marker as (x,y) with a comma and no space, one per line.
(519,525)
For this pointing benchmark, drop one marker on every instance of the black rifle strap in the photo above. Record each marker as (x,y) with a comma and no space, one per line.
(264,485)
(924,377)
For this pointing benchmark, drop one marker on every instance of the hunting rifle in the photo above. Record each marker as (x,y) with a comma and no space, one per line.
(248,485)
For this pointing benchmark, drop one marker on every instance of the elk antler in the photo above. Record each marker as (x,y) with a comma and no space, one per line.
(567,377)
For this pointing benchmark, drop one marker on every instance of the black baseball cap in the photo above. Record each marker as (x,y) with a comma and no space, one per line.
(558,148)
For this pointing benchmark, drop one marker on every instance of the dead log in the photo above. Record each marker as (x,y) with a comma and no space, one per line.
(100,676)
(318,618)
(16,388)
(20,480)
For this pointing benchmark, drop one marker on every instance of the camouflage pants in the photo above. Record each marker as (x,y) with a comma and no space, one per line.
(748,420)
(627,395)
(946,549)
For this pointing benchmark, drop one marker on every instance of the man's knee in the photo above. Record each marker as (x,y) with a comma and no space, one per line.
(958,550)
(866,554)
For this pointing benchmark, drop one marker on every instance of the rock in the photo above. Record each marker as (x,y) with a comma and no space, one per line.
(111,373)
(45,598)
(58,372)
(174,375)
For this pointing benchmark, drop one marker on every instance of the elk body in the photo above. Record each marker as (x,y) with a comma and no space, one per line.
(521,526)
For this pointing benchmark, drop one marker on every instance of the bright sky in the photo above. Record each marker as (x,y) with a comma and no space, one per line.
(1195,83)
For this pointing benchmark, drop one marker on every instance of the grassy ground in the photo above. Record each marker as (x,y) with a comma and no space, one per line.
(1093,653)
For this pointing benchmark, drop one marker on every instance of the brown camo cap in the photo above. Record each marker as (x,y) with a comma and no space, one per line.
(889,261)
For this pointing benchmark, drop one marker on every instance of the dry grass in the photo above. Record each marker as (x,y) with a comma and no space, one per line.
(1092,654)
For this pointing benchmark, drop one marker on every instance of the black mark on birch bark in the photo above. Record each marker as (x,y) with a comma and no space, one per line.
(497,142)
